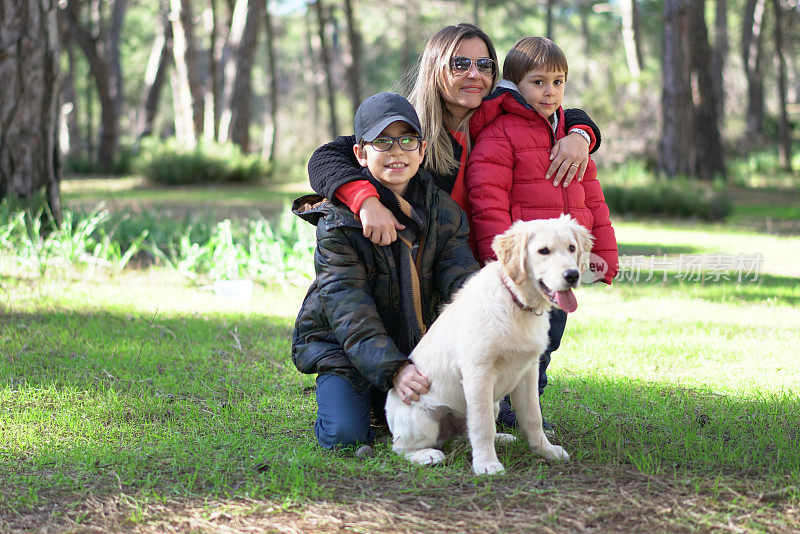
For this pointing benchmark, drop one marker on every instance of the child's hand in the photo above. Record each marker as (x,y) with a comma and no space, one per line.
(569,159)
(379,223)
(409,383)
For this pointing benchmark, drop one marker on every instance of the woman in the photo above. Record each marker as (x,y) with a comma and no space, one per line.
(453,79)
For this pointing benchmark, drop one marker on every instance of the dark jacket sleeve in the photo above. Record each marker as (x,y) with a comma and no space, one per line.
(332,165)
(575,117)
(351,310)
(455,262)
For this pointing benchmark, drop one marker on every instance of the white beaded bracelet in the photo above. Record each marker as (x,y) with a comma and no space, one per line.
(582,133)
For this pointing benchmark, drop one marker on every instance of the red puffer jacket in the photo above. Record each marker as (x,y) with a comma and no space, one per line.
(505,177)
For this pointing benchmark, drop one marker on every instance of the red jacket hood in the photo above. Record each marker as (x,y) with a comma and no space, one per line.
(506,98)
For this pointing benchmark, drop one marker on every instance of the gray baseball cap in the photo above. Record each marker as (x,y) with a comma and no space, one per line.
(379,111)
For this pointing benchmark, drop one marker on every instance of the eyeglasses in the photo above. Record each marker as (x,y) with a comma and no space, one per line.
(460,65)
(384,143)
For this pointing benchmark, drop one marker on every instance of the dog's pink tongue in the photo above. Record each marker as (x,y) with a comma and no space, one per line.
(566,300)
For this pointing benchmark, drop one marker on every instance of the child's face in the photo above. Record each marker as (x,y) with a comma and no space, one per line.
(543,90)
(395,167)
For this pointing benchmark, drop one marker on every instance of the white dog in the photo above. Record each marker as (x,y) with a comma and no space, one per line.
(487,342)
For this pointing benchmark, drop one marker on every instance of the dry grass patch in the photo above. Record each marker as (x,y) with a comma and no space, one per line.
(570,498)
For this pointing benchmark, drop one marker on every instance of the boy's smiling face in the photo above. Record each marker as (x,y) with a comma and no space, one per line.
(543,90)
(395,167)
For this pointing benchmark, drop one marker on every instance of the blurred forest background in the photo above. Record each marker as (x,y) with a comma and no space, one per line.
(683,87)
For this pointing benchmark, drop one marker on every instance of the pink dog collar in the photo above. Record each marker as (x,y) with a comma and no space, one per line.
(521,305)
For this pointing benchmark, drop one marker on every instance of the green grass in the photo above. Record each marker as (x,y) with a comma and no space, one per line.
(183,402)
(135,195)
(791,212)
(675,391)
(143,385)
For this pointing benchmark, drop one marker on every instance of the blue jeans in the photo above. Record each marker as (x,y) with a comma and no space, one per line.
(558,322)
(343,414)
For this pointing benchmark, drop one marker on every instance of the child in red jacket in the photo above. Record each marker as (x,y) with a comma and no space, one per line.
(514,130)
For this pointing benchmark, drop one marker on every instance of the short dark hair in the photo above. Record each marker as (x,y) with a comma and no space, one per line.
(532,53)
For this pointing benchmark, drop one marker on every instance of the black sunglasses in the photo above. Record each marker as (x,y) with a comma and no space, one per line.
(460,65)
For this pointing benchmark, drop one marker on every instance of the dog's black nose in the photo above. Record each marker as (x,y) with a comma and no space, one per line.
(571,276)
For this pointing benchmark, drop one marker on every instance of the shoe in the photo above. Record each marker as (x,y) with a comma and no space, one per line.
(364,452)
(548,428)
(506,418)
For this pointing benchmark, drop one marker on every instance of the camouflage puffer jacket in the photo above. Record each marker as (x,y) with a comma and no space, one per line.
(351,321)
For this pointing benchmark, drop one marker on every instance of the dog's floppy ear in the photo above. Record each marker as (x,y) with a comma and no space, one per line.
(584,238)
(511,250)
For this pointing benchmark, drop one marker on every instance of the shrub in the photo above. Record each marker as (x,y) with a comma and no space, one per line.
(33,240)
(255,249)
(198,248)
(673,198)
(79,164)
(167,162)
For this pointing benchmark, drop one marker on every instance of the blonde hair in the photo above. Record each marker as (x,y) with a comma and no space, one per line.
(533,53)
(426,95)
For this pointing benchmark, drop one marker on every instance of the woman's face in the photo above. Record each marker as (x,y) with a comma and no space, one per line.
(463,93)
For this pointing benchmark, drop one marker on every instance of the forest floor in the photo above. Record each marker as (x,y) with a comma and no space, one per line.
(572,498)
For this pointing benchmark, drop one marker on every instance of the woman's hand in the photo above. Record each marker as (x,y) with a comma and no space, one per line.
(569,158)
(379,223)
(409,383)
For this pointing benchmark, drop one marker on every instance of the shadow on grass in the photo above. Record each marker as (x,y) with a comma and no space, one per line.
(211,408)
(713,286)
(168,417)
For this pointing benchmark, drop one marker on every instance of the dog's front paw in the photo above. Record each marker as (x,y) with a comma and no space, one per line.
(426,456)
(504,438)
(554,452)
(488,468)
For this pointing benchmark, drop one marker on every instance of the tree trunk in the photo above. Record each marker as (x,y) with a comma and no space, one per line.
(632,55)
(752,47)
(70,138)
(585,13)
(411,16)
(354,60)
(676,154)
(549,19)
(719,53)
(708,155)
(29,76)
(104,68)
(90,146)
(243,91)
(186,62)
(271,128)
(157,64)
(784,136)
(213,98)
(228,67)
(237,95)
(326,67)
(114,36)
(183,54)
(310,78)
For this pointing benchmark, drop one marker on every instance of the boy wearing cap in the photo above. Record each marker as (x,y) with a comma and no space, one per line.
(369,305)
